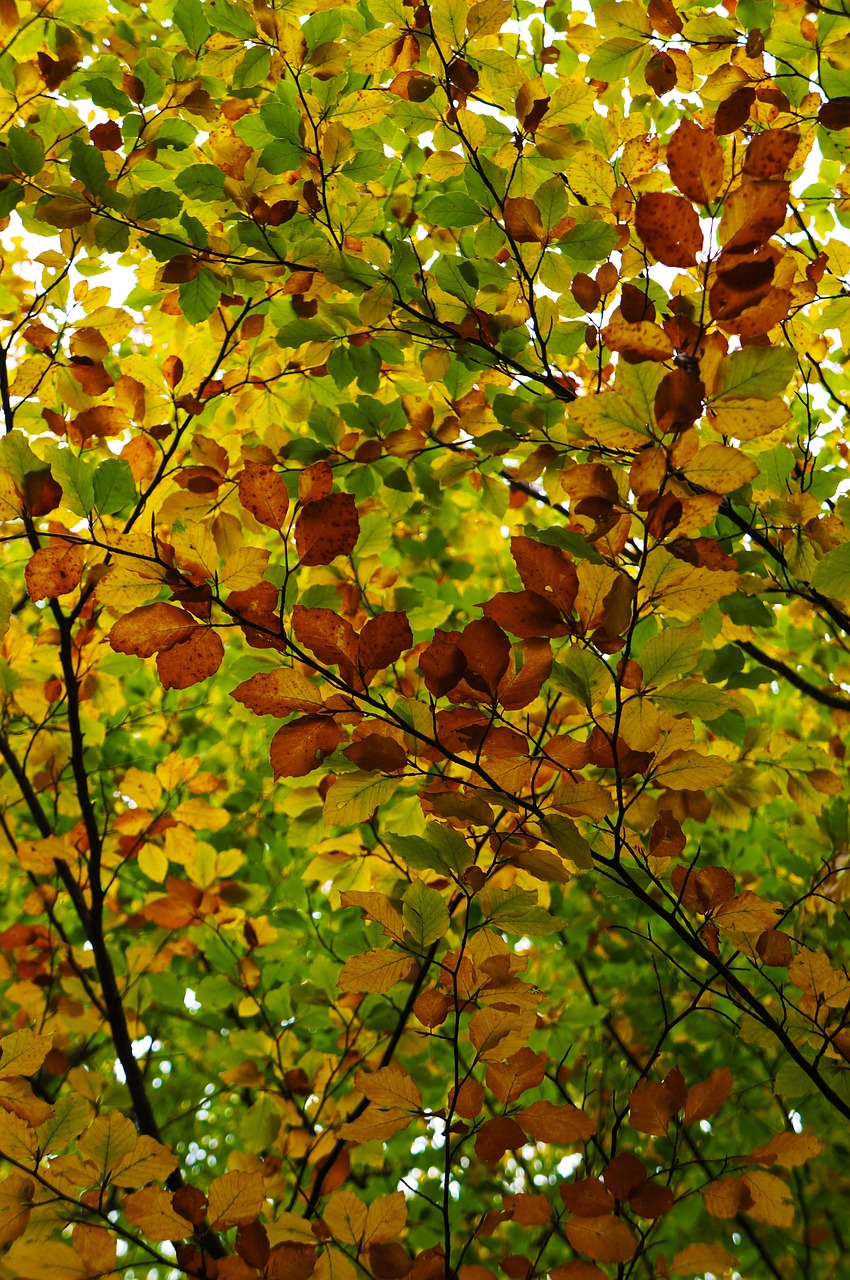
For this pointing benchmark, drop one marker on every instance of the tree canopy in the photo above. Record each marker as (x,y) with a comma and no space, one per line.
(425,616)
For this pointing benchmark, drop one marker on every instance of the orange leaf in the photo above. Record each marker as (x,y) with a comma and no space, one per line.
(196,659)
(788,1150)
(331,638)
(652,1106)
(670,228)
(605,1239)
(300,747)
(703,1100)
(699,1258)
(469,1099)
(54,570)
(151,1211)
(315,482)
(496,1136)
(695,161)
(375,971)
(150,629)
(278,693)
(389,1087)
(551,1122)
(523,222)
(263,493)
(235,1198)
(326,529)
(523,1070)
(726,1197)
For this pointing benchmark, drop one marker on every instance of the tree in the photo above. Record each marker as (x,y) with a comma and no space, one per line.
(425,610)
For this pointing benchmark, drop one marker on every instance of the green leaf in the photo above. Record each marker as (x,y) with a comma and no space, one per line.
(581,673)
(832,573)
(199,297)
(757,372)
(589,243)
(88,166)
(157,203)
(201,182)
(452,210)
(425,914)
(114,486)
(674,651)
(26,151)
(189,17)
(104,93)
(442,848)
(75,472)
(517,911)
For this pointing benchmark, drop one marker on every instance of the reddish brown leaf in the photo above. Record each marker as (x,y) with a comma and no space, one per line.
(770,153)
(705,1099)
(835,114)
(523,1070)
(605,1239)
(774,948)
(519,688)
(326,529)
(623,1175)
(587,1197)
(551,1122)
(252,1244)
(182,665)
(660,73)
(106,136)
(652,1106)
(547,571)
(695,161)
(469,1099)
(496,1136)
(331,638)
(278,693)
(666,839)
(652,1200)
(41,493)
(487,651)
(150,629)
(383,640)
(375,752)
(442,664)
(54,570)
(263,493)
(669,227)
(523,222)
(525,614)
(752,214)
(734,112)
(300,747)
(587,294)
(726,1197)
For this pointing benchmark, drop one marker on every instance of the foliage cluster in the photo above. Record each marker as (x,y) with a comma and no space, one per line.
(425,639)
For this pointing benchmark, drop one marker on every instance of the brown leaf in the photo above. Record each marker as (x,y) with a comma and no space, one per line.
(331,638)
(835,114)
(523,1070)
(376,752)
(469,1099)
(623,1175)
(666,839)
(546,570)
(696,1259)
(383,639)
(560,1123)
(487,651)
(442,664)
(300,746)
(705,1099)
(496,1136)
(587,1198)
(54,570)
(102,421)
(377,970)
(734,112)
(652,1200)
(263,493)
(660,73)
(315,482)
(752,214)
(525,614)
(670,228)
(770,153)
(605,1239)
(326,529)
(519,688)
(726,1197)
(152,628)
(774,948)
(278,693)
(523,222)
(252,1244)
(652,1106)
(195,659)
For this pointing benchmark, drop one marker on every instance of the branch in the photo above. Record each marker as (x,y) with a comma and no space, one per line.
(823,696)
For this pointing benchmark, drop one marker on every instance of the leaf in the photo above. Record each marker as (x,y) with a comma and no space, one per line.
(705,1099)
(788,1150)
(697,1259)
(605,1239)
(720,469)
(114,488)
(756,372)
(199,297)
(652,1105)
(327,529)
(235,1198)
(832,573)
(375,971)
(149,1161)
(390,1087)
(300,746)
(670,228)
(108,1142)
(151,1211)
(151,629)
(549,1122)
(22,1053)
(383,639)
(278,693)
(354,796)
(195,659)
(771,1199)
(54,570)
(695,161)
(426,918)
(263,493)
(518,911)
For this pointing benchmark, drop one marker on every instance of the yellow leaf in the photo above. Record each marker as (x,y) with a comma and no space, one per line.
(153,862)
(22,1053)
(244,568)
(108,1142)
(144,789)
(720,469)
(386,1218)
(149,1161)
(151,1211)
(374,971)
(235,1199)
(34,1261)
(772,1200)
(345,1217)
